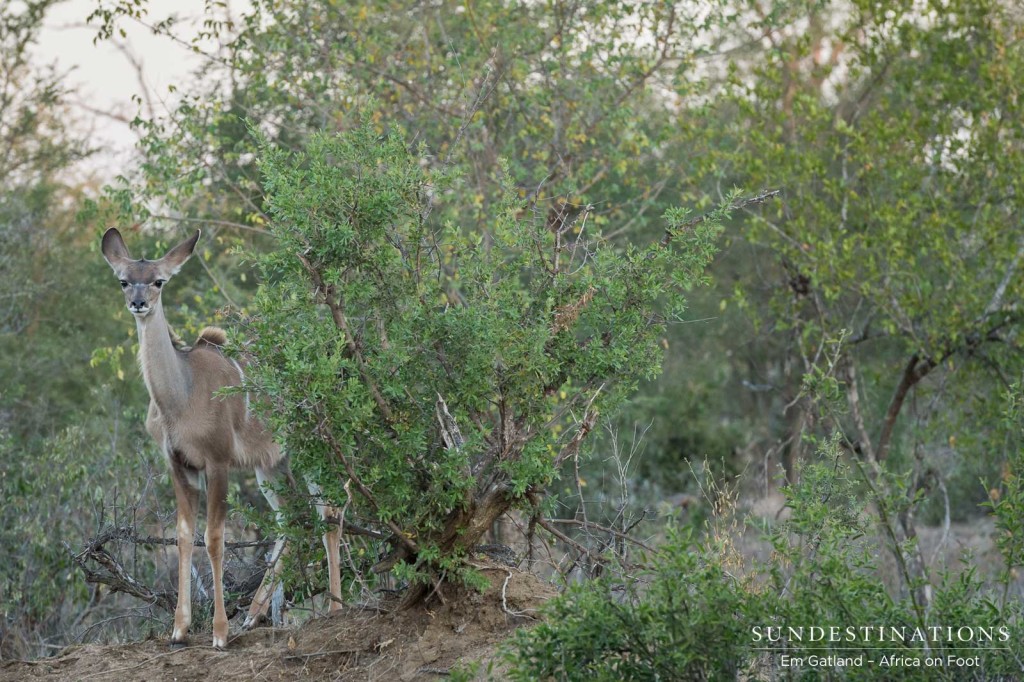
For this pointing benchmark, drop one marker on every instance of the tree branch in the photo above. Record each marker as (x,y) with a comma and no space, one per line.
(912,373)
(604,529)
(735,206)
(853,399)
(116,578)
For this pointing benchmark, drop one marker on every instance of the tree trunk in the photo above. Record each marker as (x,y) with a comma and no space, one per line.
(463,531)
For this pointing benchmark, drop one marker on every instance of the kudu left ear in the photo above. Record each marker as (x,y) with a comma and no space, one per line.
(113,248)
(177,256)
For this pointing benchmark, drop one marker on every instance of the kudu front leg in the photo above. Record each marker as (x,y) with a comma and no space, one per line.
(187,497)
(216,513)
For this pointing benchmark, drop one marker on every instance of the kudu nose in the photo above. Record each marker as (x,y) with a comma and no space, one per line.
(137,305)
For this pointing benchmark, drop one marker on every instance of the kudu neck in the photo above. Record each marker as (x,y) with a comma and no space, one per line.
(164,369)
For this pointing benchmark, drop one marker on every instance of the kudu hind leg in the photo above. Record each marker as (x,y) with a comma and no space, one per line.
(216,513)
(187,496)
(268,480)
(332,539)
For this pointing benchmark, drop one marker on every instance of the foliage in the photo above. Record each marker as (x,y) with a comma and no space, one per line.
(695,614)
(72,449)
(895,131)
(53,417)
(881,299)
(687,622)
(37,145)
(566,93)
(1007,495)
(374,320)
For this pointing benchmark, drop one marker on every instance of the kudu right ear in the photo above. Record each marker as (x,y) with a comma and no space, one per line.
(177,256)
(113,248)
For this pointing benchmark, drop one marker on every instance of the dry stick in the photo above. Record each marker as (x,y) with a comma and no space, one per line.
(546,525)
(127,534)
(604,529)
(504,589)
(118,579)
(444,672)
(292,657)
(106,621)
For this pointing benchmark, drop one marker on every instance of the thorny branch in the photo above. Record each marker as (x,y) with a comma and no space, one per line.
(704,217)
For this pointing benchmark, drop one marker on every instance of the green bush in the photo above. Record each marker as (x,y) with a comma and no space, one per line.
(431,377)
(698,613)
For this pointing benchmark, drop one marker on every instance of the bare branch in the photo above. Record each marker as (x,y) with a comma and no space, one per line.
(582,523)
(116,577)
(853,399)
(1000,293)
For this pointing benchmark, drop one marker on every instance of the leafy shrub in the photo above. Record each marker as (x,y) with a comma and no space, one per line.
(695,615)
(431,377)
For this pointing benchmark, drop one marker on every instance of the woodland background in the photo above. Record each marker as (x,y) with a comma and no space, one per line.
(850,353)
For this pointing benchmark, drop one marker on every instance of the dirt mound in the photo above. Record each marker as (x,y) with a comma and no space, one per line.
(353,644)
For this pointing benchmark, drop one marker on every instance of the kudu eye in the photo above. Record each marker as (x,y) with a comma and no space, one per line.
(124,284)
(159,283)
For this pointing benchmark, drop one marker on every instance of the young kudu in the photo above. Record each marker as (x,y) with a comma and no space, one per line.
(201,433)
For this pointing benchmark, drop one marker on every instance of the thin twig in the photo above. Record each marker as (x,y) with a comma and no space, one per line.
(605,529)
(315,654)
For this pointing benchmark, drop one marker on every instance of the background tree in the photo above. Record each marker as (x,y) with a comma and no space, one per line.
(62,423)
(892,134)
(896,256)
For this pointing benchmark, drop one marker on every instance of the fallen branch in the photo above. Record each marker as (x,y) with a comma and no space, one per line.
(117,578)
(114,575)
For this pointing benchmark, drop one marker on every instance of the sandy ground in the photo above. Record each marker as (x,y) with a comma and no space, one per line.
(353,644)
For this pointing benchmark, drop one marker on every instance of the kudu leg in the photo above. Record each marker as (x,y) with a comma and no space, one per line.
(261,601)
(332,538)
(216,514)
(187,497)
(268,480)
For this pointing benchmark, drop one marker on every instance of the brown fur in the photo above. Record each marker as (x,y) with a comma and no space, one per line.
(199,431)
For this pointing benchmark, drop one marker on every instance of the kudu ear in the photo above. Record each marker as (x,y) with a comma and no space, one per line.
(113,248)
(176,257)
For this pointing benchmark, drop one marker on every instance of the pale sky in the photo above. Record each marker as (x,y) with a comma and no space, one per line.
(105,77)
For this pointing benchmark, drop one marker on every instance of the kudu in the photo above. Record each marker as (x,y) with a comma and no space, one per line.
(203,432)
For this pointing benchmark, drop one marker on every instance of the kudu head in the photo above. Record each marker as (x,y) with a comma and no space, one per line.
(142,280)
